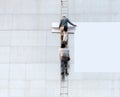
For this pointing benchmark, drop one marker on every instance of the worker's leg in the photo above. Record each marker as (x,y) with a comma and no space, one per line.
(62,67)
(61,32)
(62,35)
(66,68)
(65,36)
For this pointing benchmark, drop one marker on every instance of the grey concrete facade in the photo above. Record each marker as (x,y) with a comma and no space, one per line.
(29,61)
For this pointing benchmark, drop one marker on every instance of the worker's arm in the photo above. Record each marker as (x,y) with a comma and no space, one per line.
(71,23)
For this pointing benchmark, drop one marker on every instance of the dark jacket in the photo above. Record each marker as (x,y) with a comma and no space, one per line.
(64,22)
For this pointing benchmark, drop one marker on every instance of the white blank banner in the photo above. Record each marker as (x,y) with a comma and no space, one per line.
(97,47)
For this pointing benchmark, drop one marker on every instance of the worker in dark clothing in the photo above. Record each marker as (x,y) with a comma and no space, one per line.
(64,57)
(63,26)
(64,23)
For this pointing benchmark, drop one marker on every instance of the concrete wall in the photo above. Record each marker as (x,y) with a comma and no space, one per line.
(95,10)
(29,62)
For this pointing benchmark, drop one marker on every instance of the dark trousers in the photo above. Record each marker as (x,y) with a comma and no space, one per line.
(65,28)
(64,66)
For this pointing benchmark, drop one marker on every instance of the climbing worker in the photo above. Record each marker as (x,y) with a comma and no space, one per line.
(63,26)
(64,57)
